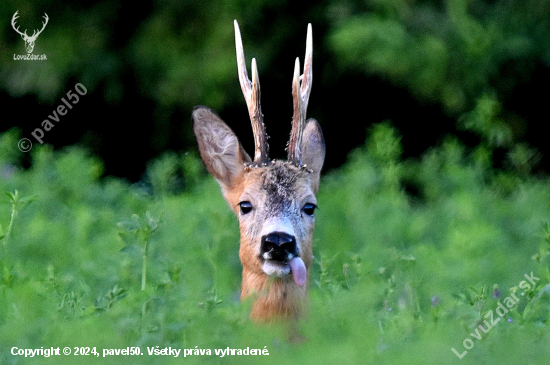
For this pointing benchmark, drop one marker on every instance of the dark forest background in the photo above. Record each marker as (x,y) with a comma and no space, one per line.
(434,203)
(476,71)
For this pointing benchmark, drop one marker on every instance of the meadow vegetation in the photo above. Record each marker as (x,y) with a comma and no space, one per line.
(410,257)
(424,231)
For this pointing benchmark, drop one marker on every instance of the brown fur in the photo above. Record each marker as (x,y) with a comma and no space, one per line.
(276,189)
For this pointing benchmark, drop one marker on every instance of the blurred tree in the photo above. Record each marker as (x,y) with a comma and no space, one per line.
(422,64)
(453,54)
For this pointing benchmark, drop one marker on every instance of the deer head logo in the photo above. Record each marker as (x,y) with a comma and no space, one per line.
(29,40)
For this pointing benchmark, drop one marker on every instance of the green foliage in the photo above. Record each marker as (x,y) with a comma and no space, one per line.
(406,251)
(484,120)
(182,53)
(405,254)
(141,230)
(449,52)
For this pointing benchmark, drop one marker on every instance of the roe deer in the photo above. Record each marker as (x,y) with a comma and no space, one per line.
(273,200)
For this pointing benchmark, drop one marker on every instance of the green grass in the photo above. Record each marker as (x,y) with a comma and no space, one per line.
(410,257)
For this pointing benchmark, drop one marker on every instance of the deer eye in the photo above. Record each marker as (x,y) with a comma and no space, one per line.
(309,209)
(246,207)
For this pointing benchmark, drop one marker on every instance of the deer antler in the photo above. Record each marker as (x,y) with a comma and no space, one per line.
(251,91)
(13,19)
(35,35)
(24,34)
(301,88)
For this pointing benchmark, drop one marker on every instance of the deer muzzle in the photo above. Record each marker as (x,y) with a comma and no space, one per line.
(280,256)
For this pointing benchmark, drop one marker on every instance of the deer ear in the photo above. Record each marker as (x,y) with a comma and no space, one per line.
(219,147)
(313,150)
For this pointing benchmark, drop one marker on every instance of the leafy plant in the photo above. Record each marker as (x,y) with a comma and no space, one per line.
(140,230)
(395,241)
(17,203)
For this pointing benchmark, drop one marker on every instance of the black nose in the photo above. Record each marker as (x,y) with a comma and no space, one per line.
(278,245)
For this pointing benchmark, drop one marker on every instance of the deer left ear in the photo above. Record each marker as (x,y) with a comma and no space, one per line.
(313,150)
(219,147)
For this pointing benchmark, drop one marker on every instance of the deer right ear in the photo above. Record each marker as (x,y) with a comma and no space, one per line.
(313,150)
(219,147)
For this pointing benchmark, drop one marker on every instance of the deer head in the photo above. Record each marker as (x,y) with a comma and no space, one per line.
(273,200)
(29,41)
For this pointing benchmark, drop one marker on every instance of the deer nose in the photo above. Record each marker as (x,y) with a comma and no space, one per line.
(278,246)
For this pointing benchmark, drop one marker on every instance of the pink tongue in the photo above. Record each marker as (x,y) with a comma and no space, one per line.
(298,270)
